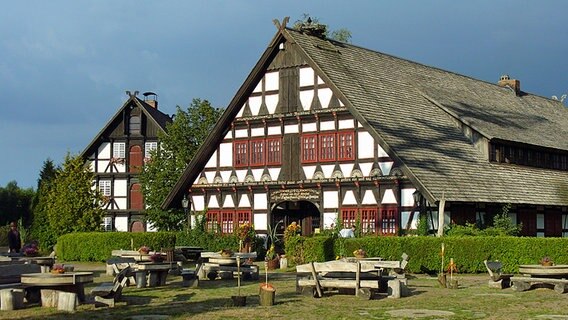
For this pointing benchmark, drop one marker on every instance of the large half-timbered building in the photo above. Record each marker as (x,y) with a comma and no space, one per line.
(322,131)
(116,156)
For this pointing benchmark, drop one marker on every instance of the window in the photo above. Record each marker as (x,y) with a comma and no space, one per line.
(134,125)
(346,142)
(274,151)
(387,220)
(226,221)
(348,217)
(327,147)
(257,152)
(368,220)
(309,143)
(149,146)
(107,224)
(119,150)
(241,153)
(104,187)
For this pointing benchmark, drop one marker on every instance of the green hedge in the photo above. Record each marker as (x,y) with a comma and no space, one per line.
(424,252)
(97,246)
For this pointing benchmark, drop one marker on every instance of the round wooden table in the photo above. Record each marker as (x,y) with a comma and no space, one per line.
(537,270)
(69,281)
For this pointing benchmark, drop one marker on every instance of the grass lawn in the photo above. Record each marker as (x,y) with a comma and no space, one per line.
(473,300)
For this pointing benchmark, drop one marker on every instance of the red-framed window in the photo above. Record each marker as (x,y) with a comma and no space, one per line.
(346,142)
(369,220)
(388,220)
(309,145)
(226,221)
(257,152)
(241,153)
(273,151)
(348,217)
(327,147)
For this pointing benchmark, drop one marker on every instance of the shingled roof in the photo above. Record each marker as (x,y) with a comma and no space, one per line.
(413,108)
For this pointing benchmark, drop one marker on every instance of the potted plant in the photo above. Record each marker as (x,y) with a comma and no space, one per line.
(359,253)
(546,262)
(226,253)
(58,269)
(246,235)
(272,258)
(144,250)
(157,257)
(31,251)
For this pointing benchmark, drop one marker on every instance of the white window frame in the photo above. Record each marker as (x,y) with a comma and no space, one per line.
(107,224)
(119,150)
(105,187)
(149,146)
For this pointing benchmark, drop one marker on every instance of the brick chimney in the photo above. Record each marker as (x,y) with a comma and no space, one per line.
(151,99)
(513,84)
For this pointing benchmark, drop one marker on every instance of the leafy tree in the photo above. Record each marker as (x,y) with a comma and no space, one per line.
(73,204)
(177,147)
(40,229)
(15,203)
(314,26)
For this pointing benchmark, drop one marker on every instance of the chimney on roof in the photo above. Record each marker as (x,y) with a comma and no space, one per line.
(512,84)
(151,99)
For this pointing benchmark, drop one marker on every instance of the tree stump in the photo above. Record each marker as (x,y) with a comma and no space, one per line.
(49,298)
(267,295)
(521,286)
(560,288)
(67,301)
(11,299)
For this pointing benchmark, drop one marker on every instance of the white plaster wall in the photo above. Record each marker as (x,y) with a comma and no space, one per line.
(240,113)
(364,143)
(254,104)
(306,97)
(212,162)
(226,155)
(271,81)
(369,198)
(228,202)
(382,152)
(225,175)
(271,102)
(257,132)
(210,175)
(309,127)
(406,198)
(329,219)
(198,203)
(244,202)
(345,124)
(330,200)
(121,203)
(104,150)
(213,203)
(260,201)
(366,168)
(306,77)
(229,135)
(258,87)
(272,131)
(309,171)
(121,223)
(324,96)
(260,221)
(291,128)
(241,133)
(349,198)
(120,188)
(388,197)
(327,125)
(274,173)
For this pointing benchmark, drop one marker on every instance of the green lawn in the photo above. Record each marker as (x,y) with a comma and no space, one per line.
(473,300)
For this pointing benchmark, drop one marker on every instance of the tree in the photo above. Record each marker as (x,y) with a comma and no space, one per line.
(177,147)
(73,204)
(15,203)
(312,25)
(40,229)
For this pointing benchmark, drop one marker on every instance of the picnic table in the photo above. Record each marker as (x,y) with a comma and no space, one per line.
(212,265)
(156,272)
(536,274)
(69,282)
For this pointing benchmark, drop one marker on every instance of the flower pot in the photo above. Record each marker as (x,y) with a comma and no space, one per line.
(360,256)
(273,264)
(546,263)
(239,301)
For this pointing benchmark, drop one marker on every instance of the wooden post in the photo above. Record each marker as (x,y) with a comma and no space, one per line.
(267,295)
(357,279)
(441,206)
(67,301)
(314,274)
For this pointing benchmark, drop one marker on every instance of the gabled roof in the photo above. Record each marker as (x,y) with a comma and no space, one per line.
(159,118)
(412,110)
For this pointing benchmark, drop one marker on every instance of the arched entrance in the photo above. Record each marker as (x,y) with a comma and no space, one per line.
(305,213)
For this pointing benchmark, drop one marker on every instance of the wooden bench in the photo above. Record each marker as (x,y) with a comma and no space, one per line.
(498,279)
(108,293)
(359,277)
(211,271)
(520,284)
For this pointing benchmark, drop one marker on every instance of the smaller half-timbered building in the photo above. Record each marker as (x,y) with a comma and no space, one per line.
(323,131)
(117,154)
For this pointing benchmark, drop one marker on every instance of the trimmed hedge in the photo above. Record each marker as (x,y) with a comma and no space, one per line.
(424,252)
(98,246)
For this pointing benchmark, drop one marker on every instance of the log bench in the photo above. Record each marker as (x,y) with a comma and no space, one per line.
(498,279)
(359,277)
(212,270)
(520,284)
(108,293)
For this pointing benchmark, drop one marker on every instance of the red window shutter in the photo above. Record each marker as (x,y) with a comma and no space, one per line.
(135,160)
(136,198)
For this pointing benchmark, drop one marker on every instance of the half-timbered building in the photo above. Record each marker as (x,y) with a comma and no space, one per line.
(117,154)
(323,131)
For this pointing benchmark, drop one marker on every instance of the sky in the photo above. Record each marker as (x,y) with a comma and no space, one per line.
(65,65)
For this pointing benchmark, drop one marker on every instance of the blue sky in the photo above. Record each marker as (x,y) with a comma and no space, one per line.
(65,65)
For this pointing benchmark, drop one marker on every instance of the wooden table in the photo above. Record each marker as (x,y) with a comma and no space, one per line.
(534,274)
(69,281)
(212,264)
(46,263)
(156,272)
